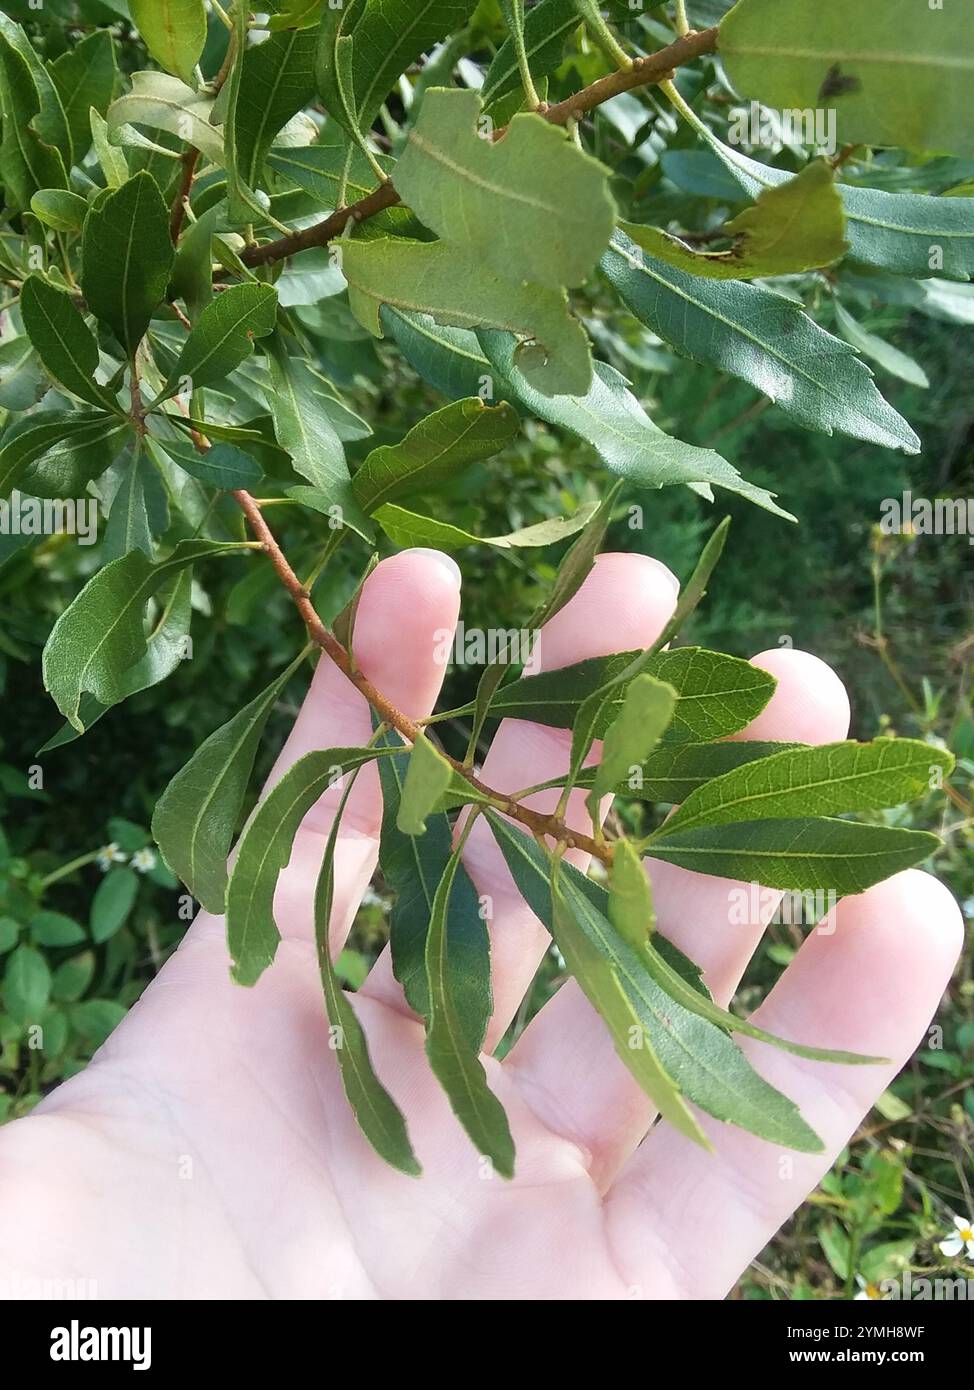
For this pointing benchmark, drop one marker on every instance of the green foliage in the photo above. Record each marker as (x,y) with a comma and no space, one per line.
(193,311)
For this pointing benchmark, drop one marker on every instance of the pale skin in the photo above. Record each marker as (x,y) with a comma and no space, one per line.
(208,1150)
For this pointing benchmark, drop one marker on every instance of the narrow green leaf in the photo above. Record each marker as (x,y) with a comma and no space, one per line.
(46,432)
(166,647)
(174,32)
(703,1061)
(825,781)
(304,428)
(532,206)
(27,162)
(761,337)
(378,1116)
(166,103)
(126,258)
(63,341)
(196,817)
(412,866)
(809,855)
(26,985)
(276,80)
(600,983)
(405,528)
(100,634)
(646,710)
(445,281)
(223,465)
(223,335)
(611,419)
(546,27)
(884,354)
(139,509)
(85,78)
(265,849)
(631,909)
(695,588)
(436,450)
(455,1063)
(717,695)
(427,778)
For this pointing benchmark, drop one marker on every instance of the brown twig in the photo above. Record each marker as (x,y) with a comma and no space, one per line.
(323,637)
(643,72)
(190,160)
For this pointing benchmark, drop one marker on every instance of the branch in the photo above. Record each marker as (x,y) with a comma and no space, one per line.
(535,821)
(189,160)
(644,72)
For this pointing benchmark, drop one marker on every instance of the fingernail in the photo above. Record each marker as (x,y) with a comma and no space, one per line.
(449,564)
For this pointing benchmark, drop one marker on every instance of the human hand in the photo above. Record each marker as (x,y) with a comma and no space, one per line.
(208,1149)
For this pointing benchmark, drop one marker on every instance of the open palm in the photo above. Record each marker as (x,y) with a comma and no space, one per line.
(208,1151)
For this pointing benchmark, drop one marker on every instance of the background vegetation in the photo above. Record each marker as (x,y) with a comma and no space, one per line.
(893,615)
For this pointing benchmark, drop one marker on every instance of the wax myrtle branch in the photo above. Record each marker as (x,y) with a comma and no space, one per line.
(642,72)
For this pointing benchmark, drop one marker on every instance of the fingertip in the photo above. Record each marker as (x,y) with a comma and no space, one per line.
(624,604)
(810,704)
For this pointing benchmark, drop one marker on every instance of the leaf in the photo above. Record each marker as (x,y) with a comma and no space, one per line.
(647,708)
(907,233)
(166,103)
(412,866)
(113,901)
(99,635)
(450,359)
(600,984)
(304,428)
(546,27)
(817,53)
(58,208)
(126,258)
(63,341)
(42,433)
(265,849)
(706,1065)
(809,855)
(196,816)
(275,81)
(50,121)
(695,589)
(223,335)
(96,1019)
(27,163)
(174,32)
(678,988)
(224,465)
(405,528)
(532,205)
(884,354)
(296,14)
(631,909)
(22,382)
(427,778)
(454,1062)
(386,36)
(72,977)
(440,279)
(26,985)
(717,695)
(824,781)
(85,78)
(139,509)
(113,163)
(54,929)
(761,337)
(166,647)
(795,226)
(610,418)
(320,168)
(436,450)
(377,1114)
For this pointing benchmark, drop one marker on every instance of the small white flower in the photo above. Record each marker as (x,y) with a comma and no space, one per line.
(144,860)
(110,855)
(867,1289)
(963,1239)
